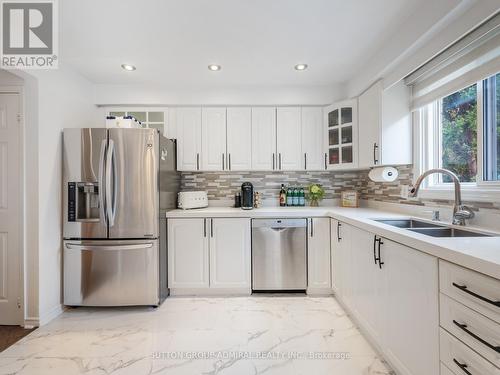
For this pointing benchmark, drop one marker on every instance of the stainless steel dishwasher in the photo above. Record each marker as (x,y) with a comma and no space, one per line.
(279,254)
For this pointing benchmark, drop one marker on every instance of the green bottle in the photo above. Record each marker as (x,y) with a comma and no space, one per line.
(295,196)
(302,197)
(289,197)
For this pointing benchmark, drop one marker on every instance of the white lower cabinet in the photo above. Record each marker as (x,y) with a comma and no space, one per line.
(187,253)
(341,238)
(206,253)
(394,296)
(318,255)
(230,254)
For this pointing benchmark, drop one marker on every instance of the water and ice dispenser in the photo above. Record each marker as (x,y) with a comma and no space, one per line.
(83,201)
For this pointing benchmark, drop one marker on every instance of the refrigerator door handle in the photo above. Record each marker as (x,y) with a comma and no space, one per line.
(108,247)
(110,177)
(102,173)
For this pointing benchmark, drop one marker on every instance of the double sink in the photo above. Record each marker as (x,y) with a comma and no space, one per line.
(430,229)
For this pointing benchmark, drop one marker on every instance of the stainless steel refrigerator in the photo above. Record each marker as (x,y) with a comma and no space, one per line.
(118,185)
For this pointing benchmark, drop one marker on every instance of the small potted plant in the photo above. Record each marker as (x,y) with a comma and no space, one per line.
(315,193)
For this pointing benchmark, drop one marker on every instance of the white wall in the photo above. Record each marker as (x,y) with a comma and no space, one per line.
(149,95)
(53,100)
(409,49)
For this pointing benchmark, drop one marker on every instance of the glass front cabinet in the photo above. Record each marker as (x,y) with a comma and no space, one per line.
(341,125)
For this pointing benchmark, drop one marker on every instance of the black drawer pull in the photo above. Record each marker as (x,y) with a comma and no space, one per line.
(464,328)
(338,231)
(463,288)
(375,249)
(462,366)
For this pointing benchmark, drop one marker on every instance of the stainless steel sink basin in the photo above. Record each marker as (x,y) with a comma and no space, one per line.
(448,232)
(408,223)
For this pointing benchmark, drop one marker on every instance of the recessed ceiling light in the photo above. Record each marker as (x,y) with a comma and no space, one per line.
(128,67)
(214,67)
(301,67)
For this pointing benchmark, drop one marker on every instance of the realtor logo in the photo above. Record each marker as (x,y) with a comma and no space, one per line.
(29,34)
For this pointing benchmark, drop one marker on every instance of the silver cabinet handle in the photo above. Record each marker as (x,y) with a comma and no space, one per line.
(326,165)
(197,162)
(273,161)
(222,161)
(204,227)
(211,227)
(375,149)
(229,157)
(312,228)
(279,161)
(305,161)
(72,246)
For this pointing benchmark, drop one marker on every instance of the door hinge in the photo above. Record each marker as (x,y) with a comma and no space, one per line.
(19,118)
(18,302)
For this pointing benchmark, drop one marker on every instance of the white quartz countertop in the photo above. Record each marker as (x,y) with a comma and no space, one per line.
(481,254)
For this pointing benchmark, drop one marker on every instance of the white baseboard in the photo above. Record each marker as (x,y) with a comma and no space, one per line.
(31,322)
(52,313)
(319,291)
(211,292)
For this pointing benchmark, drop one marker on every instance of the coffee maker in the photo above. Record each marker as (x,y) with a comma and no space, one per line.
(247,196)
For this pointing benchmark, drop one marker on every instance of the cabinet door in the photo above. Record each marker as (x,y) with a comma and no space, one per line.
(411,308)
(187,253)
(230,261)
(239,139)
(213,139)
(312,139)
(289,147)
(188,130)
(367,284)
(341,124)
(263,139)
(318,253)
(369,122)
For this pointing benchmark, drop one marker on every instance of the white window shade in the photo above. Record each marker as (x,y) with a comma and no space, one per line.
(471,59)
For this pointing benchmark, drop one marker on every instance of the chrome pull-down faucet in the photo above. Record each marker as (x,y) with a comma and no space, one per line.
(460,212)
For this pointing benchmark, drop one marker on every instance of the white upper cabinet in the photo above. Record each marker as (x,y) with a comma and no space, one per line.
(188,130)
(230,254)
(318,254)
(312,139)
(385,126)
(213,136)
(341,129)
(263,139)
(239,139)
(288,141)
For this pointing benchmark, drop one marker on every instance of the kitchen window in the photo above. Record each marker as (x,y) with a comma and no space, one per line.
(461,132)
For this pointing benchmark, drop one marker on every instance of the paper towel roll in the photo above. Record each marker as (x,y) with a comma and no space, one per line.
(383,174)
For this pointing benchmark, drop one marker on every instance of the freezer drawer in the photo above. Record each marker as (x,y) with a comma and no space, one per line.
(111,273)
(279,254)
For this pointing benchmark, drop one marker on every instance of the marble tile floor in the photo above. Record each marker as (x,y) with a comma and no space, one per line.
(269,335)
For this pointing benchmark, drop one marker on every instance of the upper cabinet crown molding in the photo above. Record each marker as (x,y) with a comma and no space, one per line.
(385,126)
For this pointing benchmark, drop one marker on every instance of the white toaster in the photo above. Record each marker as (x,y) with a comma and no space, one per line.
(192,199)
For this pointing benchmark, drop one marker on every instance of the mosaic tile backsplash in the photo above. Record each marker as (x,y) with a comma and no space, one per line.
(223,185)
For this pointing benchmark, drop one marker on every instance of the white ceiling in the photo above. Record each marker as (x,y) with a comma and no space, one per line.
(257,42)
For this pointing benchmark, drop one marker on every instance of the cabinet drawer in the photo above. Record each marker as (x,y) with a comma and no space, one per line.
(461,359)
(477,331)
(473,289)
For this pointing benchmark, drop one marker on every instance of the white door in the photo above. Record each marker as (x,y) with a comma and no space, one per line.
(187,253)
(312,138)
(318,254)
(264,139)
(213,139)
(411,308)
(10,210)
(367,283)
(239,139)
(188,130)
(288,139)
(230,259)
(369,122)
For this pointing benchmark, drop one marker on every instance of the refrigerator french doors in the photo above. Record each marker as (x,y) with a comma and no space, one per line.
(113,247)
